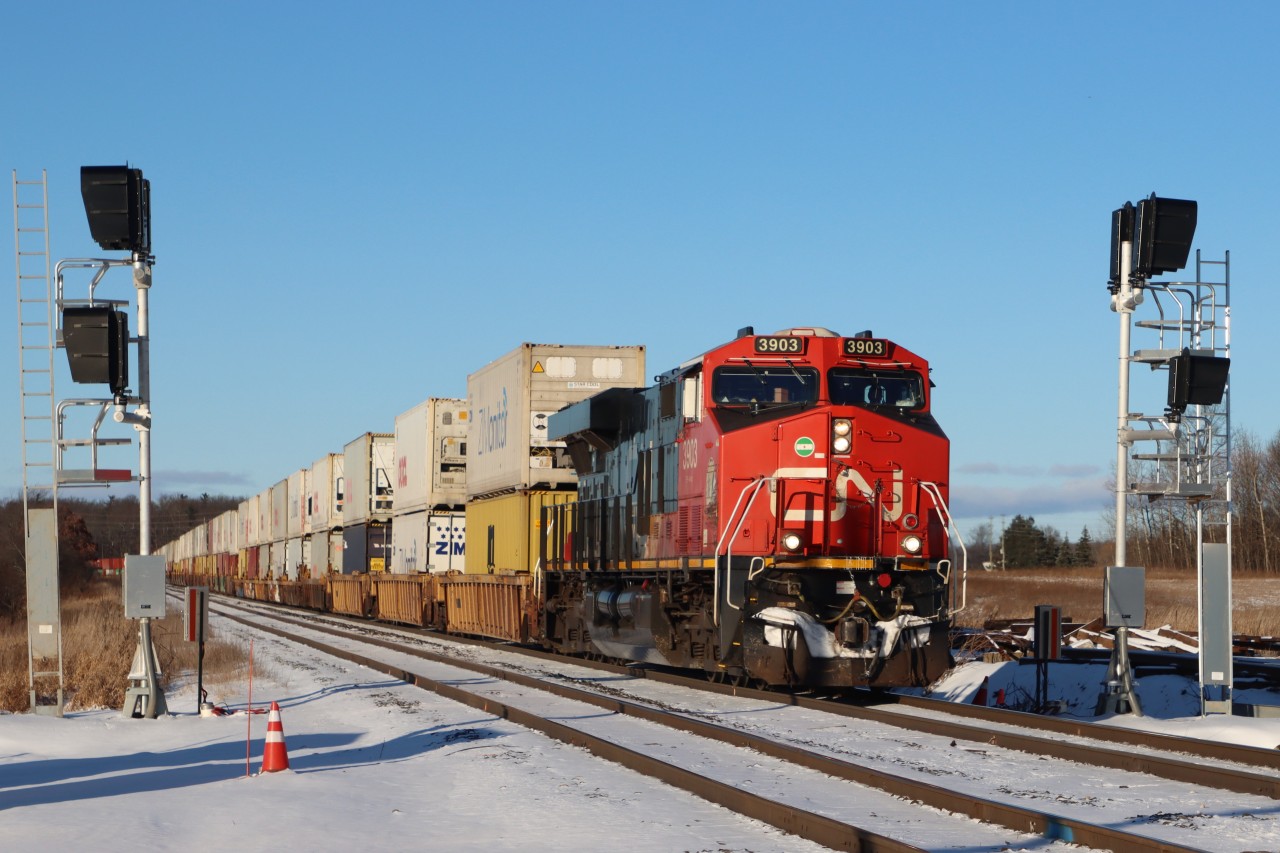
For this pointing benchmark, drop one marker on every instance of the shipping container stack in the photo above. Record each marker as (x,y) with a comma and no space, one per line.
(512,469)
(276,518)
(368,463)
(325,487)
(428,530)
(295,485)
(246,539)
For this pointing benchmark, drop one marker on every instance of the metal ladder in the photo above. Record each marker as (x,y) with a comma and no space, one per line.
(1193,460)
(39,447)
(35,338)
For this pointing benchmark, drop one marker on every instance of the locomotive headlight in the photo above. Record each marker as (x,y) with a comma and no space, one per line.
(841,435)
(912,544)
(792,541)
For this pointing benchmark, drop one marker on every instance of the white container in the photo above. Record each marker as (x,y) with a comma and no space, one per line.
(264,520)
(248,534)
(368,463)
(431,465)
(428,541)
(334,539)
(279,511)
(229,523)
(292,557)
(215,534)
(325,490)
(275,559)
(296,497)
(511,399)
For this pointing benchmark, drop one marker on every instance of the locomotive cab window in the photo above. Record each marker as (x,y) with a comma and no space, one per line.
(859,387)
(759,387)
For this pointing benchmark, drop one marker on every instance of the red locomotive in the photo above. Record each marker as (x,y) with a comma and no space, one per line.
(773,511)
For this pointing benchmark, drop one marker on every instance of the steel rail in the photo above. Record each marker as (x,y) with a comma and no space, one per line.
(1166,767)
(1013,817)
(1194,746)
(817,828)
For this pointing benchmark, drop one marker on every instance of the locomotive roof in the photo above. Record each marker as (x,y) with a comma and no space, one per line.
(793,331)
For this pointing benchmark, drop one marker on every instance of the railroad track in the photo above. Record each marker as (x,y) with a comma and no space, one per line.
(738,729)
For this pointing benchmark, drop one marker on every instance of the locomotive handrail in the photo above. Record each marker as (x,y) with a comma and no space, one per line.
(537,565)
(935,494)
(754,488)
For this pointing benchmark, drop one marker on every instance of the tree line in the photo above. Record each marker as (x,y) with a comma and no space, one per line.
(1163,532)
(89,529)
(1025,545)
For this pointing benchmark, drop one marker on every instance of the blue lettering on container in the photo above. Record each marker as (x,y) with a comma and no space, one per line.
(493,427)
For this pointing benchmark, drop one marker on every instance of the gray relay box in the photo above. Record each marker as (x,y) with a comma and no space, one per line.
(1124,596)
(143,586)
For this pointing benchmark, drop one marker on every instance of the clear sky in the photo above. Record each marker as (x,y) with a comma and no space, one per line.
(356,206)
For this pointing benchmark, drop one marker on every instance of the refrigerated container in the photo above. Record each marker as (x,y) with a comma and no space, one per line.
(511,399)
(279,511)
(264,521)
(430,455)
(248,533)
(296,497)
(368,462)
(325,489)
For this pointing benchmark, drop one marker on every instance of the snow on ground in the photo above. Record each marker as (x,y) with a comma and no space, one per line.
(379,765)
(375,764)
(1170,703)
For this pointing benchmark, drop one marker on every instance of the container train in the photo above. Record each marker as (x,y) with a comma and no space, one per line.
(773,511)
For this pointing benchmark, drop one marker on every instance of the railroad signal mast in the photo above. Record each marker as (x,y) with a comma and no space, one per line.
(94,332)
(1183,453)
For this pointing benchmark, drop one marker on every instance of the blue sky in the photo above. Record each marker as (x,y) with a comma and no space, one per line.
(356,206)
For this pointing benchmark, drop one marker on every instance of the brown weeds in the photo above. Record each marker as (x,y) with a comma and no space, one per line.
(98,645)
(1170,598)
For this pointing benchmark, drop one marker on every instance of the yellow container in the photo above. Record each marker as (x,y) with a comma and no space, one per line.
(503,532)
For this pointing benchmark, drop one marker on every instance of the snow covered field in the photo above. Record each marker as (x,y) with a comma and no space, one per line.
(380,765)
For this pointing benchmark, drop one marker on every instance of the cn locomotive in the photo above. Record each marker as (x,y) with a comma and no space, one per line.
(773,511)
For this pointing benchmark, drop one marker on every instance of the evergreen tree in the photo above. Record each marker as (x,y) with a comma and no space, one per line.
(1023,543)
(1084,549)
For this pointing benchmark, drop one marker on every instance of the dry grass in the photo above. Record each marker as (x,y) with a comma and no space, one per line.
(98,645)
(1171,598)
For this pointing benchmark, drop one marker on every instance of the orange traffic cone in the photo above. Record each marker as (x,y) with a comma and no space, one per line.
(274,755)
(979,698)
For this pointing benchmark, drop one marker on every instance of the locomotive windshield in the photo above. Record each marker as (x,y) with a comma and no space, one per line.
(850,386)
(761,387)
